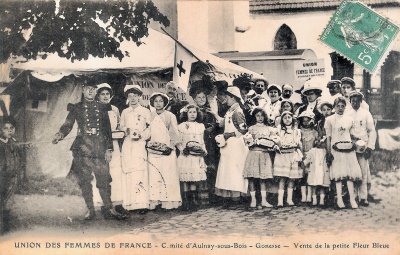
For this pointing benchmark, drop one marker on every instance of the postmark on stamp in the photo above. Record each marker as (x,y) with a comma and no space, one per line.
(360,34)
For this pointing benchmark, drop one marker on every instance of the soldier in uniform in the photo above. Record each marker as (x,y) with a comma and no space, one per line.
(91,149)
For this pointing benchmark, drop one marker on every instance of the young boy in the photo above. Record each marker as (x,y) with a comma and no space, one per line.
(10,158)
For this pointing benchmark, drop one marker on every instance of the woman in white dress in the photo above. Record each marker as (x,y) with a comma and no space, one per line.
(104,95)
(135,122)
(230,182)
(163,175)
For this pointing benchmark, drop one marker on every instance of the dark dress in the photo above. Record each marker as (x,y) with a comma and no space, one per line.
(212,157)
(10,168)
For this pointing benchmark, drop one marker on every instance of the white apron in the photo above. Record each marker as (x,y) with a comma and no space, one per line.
(163,174)
(231,165)
(135,184)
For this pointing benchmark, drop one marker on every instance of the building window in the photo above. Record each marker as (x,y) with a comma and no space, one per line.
(285,39)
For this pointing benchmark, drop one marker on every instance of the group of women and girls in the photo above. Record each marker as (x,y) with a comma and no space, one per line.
(232,148)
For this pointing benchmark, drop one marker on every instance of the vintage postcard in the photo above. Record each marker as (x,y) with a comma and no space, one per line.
(199,127)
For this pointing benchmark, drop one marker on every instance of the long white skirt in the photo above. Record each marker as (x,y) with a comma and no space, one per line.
(164,181)
(231,166)
(135,178)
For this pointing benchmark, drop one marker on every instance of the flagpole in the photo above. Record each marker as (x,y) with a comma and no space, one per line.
(178,42)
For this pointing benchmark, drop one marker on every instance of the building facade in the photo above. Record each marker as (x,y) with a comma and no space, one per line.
(268,25)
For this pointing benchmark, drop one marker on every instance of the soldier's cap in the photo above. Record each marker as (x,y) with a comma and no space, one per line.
(104,86)
(130,88)
(308,114)
(356,93)
(333,82)
(287,86)
(349,81)
(162,95)
(274,86)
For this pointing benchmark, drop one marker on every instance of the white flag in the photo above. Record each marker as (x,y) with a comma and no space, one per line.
(182,66)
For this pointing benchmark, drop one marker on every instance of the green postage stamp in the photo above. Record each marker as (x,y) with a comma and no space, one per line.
(360,34)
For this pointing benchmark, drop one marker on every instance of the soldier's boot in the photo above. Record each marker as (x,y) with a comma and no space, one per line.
(120,209)
(107,210)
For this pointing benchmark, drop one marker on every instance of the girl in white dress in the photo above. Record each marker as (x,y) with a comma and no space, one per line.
(191,165)
(163,174)
(230,182)
(286,164)
(258,166)
(104,95)
(340,152)
(135,122)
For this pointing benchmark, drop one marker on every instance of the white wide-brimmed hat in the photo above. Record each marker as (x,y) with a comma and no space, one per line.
(135,88)
(164,96)
(313,84)
(234,91)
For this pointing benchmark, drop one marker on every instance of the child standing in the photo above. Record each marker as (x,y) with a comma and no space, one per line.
(258,165)
(318,176)
(340,155)
(286,165)
(191,165)
(10,165)
(286,106)
(308,137)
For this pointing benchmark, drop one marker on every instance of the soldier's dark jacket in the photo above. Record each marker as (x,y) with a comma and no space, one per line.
(94,130)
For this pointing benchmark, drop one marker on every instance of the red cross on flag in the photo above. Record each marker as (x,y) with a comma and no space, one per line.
(182,66)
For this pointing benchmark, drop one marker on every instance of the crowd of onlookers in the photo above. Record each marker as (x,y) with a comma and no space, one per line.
(245,139)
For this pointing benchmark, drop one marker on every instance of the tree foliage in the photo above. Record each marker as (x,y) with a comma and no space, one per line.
(37,27)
